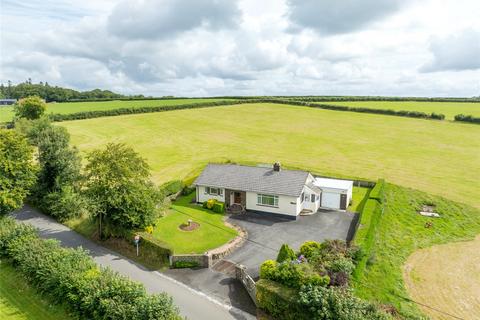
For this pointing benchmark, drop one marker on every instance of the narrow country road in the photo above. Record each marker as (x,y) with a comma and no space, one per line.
(193,304)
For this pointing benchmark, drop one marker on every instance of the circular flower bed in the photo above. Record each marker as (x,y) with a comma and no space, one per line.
(189,226)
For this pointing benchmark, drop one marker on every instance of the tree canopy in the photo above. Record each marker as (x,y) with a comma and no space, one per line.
(118,182)
(30,108)
(54,93)
(17,170)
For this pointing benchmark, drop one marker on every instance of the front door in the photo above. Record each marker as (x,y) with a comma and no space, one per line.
(237,198)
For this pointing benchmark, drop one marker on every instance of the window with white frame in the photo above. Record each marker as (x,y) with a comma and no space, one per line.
(313,197)
(267,200)
(307,197)
(214,191)
(302,197)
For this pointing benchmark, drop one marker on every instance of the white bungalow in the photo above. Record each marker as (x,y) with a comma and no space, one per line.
(271,190)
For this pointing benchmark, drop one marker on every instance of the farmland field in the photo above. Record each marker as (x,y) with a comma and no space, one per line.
(449,109)
(19,301)
(438,157)
(6,113)
(436,270)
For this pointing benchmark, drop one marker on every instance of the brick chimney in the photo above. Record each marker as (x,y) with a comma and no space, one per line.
(276,167)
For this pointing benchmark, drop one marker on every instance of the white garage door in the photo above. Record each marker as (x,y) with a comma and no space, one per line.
(330,200)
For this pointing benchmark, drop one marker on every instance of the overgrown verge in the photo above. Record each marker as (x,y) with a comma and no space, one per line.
(71,276)
(467,118)
(398,233)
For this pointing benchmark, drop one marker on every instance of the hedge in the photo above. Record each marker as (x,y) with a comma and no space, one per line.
(218,207)
(467,118)
(279,301)
(401,113)
(171,187)
(377,191)
(365,236)
(153,248)
(377,98)
(124,111)
(72,277)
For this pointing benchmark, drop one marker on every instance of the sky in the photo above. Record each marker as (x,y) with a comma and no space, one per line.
(245,47)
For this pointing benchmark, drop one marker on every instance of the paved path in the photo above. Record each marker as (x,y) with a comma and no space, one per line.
(193,304)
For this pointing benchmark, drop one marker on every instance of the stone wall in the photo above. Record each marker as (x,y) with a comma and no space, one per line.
(247,281)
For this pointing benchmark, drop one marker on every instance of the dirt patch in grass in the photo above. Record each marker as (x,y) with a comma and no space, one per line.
(446,277)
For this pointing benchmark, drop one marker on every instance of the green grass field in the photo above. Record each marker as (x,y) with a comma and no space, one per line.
(211,234)
(400,232)
(449,109)
(437,157)
(6,113)
(19,301)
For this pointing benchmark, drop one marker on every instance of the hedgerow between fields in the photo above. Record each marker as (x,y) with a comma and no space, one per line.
(71,276)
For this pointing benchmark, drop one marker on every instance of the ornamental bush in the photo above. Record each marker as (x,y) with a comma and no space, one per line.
(286,254)
(211,203)
(71,276)
(308,248)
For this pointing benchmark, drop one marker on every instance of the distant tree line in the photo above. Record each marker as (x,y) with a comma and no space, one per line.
(54,93)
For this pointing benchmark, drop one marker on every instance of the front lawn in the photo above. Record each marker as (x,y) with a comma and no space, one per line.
(211,234)
(20,301)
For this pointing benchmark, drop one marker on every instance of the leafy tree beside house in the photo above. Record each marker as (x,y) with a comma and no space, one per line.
(118,183)
(30,108)
(17,170)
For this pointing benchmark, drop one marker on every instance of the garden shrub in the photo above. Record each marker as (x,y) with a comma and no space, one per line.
(267,269)
(286,254)
(71,276)
(340,304)
(210,203)
(308,248)
(218,207)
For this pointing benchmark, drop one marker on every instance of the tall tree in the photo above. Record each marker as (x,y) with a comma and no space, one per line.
(118,182)
(17,170)
(30,108)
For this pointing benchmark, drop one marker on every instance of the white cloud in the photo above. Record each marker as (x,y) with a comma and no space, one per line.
(213,47)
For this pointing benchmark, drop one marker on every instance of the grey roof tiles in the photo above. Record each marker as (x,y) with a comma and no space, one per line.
(254,179)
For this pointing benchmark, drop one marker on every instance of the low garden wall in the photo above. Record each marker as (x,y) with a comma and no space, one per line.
(190,261)
(247,281)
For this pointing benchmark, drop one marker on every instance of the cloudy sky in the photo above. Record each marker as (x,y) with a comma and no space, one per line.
(245,47)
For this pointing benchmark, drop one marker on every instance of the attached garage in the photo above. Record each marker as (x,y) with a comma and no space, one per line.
(336,194)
